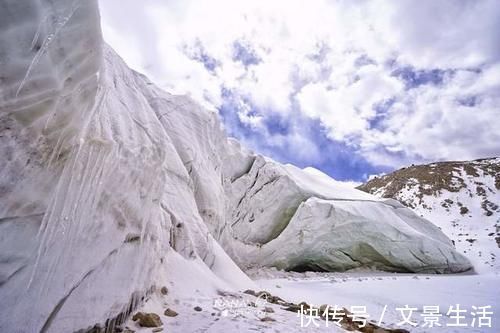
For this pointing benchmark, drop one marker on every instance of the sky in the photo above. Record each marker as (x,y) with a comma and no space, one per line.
(353,88)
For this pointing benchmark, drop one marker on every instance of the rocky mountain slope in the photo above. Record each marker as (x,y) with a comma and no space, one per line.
(462,198)
(111,188)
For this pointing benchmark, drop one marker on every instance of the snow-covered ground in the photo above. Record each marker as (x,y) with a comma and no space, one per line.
(377,290)
(384,296)
(240,317)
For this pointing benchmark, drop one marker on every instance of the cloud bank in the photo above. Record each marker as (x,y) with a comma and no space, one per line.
(351,87)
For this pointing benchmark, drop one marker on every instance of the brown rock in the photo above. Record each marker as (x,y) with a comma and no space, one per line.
(263,294)
(147,319)
(164,290)
(322,309)
(275,300)
(297,307)
(250,292)
(170,313)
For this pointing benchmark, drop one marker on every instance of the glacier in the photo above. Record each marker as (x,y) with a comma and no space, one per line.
(111,187)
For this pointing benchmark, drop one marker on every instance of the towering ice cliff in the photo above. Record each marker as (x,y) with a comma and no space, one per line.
(110,188)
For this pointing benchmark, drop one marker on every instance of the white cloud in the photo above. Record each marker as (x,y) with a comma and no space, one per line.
(348,108)
(332,61)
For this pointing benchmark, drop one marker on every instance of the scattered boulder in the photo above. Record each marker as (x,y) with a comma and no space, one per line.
(302,306)
(164,290)
(267,319)
(170,313)
(268,309)
(263,294)
(197,308)
(147,319)
(270,298)
(130,238)
(250,292)
(322,309)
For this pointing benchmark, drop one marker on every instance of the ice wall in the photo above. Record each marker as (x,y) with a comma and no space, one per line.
(94,194)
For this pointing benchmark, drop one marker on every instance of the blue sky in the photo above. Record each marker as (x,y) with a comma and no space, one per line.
(353,88)
(332,157)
